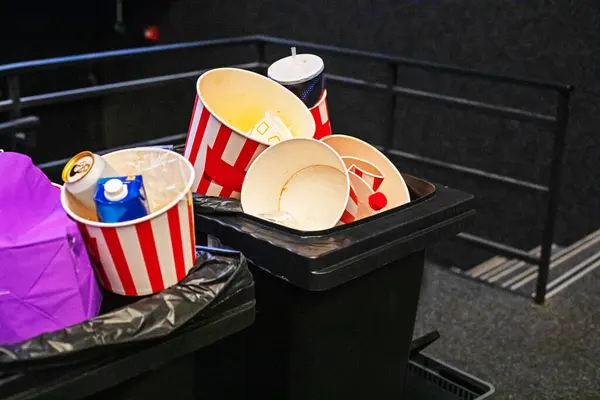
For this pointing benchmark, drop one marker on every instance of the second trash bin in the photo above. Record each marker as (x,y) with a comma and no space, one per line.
(335,311)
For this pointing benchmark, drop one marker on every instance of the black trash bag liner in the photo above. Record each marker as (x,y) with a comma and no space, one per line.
(216,205)
(218,274)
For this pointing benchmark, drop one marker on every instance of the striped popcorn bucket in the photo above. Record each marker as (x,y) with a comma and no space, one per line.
(320,114)
(148,254)
(366,170)
(229,102)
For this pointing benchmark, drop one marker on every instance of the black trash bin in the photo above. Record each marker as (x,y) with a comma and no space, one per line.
(161,368)
(335,311)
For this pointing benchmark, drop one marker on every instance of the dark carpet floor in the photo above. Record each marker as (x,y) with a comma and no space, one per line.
(526,351)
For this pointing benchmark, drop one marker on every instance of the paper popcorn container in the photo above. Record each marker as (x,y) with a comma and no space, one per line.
(393,186)
(148,254)
(304,179)
(320,114)
(366,170)
(229,103)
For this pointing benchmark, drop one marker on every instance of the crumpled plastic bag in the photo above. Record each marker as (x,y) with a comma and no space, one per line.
(216,205)
(165,175)
(217,275)
(46,279)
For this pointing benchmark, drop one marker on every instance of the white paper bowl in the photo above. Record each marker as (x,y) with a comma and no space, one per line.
(302,177)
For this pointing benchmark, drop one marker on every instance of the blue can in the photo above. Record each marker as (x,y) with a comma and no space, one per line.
(120,199)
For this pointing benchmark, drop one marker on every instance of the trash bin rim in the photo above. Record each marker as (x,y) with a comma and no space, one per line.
(324,232)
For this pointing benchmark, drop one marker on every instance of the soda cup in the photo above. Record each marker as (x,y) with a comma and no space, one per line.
(121,199)
(302,74)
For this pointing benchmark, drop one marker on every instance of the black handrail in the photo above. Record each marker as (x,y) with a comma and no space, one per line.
(17,125)
(56,62)
(420,64)
(557,123)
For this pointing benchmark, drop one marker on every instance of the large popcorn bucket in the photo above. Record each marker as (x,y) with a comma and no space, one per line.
(320,114)
(229,103)
(148,254)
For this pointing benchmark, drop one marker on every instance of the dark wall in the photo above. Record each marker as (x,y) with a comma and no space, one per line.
(554,40)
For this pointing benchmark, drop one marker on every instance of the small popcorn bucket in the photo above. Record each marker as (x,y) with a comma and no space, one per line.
(363,202)
(148,254)
(366,170)
(320,114)
(300,183)
(393,186)
(223,139)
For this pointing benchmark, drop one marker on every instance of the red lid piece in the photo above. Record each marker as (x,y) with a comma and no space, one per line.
(377,201)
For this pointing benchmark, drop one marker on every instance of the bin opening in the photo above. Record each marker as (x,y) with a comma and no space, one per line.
(419,190)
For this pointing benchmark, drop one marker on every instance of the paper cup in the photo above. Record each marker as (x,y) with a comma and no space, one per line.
(366,170)
(304,178)
(320,114)
(148,254)
(393,186)
(302,74)
(229,103)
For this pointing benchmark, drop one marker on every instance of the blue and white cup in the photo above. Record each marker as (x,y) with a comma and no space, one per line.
(302,74)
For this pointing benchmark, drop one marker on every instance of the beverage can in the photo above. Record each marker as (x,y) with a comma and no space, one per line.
(81,173)
(120,199)
(302,74)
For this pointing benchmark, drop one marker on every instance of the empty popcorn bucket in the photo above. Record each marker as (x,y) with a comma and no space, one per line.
(393,186)
(148,254)
(221,143)
(320,114)
(300,183)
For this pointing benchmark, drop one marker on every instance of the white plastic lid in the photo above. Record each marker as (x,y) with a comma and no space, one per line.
(115,190)
(298,69)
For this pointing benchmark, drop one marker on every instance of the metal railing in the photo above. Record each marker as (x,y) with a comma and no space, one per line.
(556,122)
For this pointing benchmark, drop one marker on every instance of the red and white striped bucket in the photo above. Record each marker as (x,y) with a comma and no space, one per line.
(229,102)
(320,114)
(146,255)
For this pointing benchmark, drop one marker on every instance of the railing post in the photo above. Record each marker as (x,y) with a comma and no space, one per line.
(556,166)
(9,142)
(14,94)
(391,128)
(262,55)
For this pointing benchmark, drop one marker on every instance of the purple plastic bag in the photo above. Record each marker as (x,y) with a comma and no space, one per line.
(46,279)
